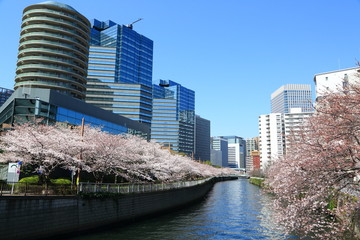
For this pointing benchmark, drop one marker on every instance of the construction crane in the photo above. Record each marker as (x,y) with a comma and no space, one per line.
(131,24)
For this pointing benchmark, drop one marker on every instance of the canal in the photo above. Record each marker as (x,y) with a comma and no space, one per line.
(232,210)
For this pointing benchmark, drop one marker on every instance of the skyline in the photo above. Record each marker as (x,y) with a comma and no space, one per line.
(200,46)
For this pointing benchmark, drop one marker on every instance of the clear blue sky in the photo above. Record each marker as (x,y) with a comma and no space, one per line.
(233,53)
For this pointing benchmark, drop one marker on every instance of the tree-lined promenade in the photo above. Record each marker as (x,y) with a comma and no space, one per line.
(127,157)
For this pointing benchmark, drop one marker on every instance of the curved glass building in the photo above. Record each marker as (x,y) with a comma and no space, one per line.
(53,50)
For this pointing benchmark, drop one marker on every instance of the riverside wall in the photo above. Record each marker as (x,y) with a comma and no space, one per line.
(36,217)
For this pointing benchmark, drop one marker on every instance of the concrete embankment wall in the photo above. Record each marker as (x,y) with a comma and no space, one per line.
(33,217)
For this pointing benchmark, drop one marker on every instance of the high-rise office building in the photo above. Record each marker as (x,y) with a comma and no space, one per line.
(219,151)
(202,139)
(335,81)
(173,119)
(53,50)
(4,95)
(292,96)
(120,71)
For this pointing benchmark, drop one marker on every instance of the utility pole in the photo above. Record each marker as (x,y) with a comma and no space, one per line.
(80,157)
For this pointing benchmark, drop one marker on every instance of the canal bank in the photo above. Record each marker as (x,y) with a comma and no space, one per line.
(231,210)
(34,217)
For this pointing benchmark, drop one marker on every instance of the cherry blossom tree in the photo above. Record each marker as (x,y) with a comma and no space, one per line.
(42,146)
(100,153)
(316,183)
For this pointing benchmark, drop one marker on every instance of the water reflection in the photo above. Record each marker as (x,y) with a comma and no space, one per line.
(232,210)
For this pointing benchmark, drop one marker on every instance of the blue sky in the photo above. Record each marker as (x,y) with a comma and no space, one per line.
(233,53)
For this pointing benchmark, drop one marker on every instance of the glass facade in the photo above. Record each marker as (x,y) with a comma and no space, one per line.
(174,116)
(24,110)
(4,95)
(120,71)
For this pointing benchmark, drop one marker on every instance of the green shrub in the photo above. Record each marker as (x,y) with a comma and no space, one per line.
(60,181)
(257,181)
(32,179)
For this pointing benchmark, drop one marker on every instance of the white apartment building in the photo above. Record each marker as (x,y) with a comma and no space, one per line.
(335,81)
(271,138)
(293,122)
(274,132)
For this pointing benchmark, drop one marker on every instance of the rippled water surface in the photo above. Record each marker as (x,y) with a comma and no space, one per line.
(232,210)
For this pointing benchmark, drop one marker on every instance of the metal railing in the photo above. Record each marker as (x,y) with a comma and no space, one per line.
(30,189)
(136,188)
(27,189)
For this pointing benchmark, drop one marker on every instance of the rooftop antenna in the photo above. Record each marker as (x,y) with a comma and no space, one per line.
(131,24)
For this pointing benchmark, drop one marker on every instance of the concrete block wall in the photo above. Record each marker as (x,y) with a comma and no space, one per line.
(34,217)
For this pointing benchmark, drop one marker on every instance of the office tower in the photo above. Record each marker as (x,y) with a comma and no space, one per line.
(173,119)
(219,151)
(120,71)
(202,139)
(53,50)
(335,81)
(252,144)
(236,151)
(53,61)
(292,96)
(271,138)
(4,95)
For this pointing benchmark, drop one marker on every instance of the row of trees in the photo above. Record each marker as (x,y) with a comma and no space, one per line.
(130,157)
(317,182)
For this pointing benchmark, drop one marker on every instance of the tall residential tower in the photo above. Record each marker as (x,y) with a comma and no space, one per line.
(53,50)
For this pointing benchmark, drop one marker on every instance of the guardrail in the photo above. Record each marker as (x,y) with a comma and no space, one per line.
(136,188)
(27,189)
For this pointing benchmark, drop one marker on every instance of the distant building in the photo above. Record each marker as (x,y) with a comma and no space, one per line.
(335,81)
(292,96)
(173,122)
(236,151)
(219,151)
(216,157)
(4,95)
(202,139)
(255,157)
(252,144)
(120,71)
(53,50)
(271,137)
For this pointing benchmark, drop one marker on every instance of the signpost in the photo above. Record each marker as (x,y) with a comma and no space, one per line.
(13,174)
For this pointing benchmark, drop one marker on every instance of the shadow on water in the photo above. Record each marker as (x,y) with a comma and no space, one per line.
(232,210)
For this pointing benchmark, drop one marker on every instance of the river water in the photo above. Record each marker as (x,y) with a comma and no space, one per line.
(232,210)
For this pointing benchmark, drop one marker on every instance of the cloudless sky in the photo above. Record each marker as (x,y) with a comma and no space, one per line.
(232,53)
